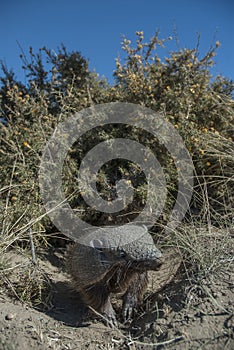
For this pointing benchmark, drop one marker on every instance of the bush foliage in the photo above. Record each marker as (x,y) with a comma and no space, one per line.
(180,87)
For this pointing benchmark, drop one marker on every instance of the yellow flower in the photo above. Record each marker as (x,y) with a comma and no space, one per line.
(208,163)
(140,33)
(128,182)
(26,144)
(205,130)
(202,151)
(176,126)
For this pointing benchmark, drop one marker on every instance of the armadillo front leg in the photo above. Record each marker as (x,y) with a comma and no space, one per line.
(134,294)
(109,313)
(98,297)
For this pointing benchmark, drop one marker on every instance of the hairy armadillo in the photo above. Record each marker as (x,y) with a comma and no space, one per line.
(110,265)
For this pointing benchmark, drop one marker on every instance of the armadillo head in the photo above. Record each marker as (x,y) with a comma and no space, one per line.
(132,245)
(142,254)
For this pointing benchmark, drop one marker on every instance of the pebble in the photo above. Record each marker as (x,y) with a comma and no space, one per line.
(9,317)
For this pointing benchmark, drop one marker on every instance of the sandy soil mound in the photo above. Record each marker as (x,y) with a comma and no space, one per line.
(177,314)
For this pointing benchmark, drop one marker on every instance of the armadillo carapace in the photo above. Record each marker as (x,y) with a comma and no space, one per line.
(115,260)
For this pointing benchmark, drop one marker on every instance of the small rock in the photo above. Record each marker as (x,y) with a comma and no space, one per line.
(9,317)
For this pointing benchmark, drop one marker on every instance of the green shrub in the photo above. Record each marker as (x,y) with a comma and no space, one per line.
(180,87)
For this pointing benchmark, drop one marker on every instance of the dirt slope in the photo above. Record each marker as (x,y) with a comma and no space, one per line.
(181,316)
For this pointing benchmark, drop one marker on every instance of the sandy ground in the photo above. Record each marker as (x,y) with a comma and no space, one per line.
(177,314)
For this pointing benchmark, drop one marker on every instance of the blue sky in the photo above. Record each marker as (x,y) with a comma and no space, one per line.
(95,28)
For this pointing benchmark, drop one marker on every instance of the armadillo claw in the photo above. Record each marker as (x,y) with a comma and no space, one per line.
(127,313)
(111,320)
(109,314)
(127,309)
(129,303)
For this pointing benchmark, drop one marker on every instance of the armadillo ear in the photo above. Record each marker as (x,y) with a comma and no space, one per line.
(99,245)
(96,243)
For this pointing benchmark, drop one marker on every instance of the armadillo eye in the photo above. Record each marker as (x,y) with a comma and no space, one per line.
(122,254)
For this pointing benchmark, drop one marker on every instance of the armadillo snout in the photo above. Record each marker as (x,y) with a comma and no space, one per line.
(148,264)
(157,263)
(153,264)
